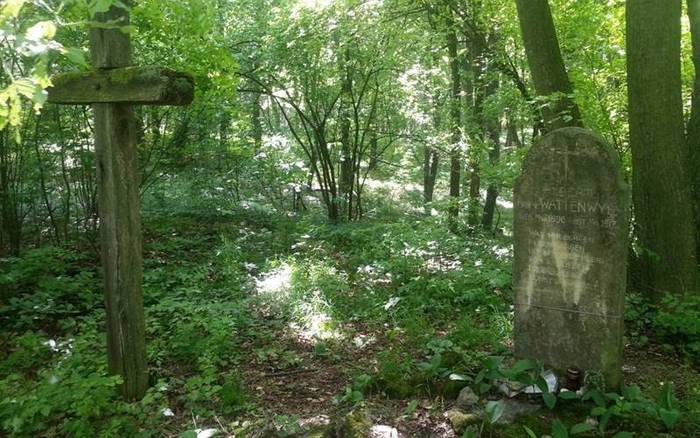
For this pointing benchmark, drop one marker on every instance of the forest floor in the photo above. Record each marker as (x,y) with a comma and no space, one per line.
(261,325)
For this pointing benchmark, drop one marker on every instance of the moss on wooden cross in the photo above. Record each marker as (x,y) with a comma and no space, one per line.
(150,85)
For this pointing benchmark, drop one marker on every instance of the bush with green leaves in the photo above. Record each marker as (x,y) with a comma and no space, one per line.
(48,288)
(65,390)
(629,404)
(674,322)
(678,323)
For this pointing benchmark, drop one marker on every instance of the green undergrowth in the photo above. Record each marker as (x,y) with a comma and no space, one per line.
(53,379)
(420,307)
(404,284)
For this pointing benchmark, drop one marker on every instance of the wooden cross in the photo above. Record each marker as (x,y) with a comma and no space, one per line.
(113,88)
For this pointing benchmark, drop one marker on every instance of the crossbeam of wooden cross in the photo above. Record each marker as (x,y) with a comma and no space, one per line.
(134,85)
(112,89)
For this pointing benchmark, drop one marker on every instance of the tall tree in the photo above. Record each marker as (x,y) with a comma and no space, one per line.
(665,222)
(693,126)
(547,65)
(455,106)
(431,162)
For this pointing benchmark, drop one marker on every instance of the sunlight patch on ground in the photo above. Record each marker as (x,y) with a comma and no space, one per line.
(312,321)
(434,260)
(394,188)
(317,325)
(361,341)
(374,273)
(275,282)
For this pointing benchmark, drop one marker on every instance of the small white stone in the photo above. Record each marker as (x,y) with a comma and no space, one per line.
(380,431)
(206,433)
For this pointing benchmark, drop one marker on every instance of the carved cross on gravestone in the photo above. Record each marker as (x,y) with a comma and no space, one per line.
(112,89)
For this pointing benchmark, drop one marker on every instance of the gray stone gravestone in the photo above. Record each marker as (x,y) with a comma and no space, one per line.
(570,245)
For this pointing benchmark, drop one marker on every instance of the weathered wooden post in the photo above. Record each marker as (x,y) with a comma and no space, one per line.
(112,88)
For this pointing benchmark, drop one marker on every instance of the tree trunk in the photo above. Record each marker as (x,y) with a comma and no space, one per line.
(346,155)
(10,215)
(42,184)
(693,127)
(492,125)
(373,150)
(455,129)
(662,198)
(256,126)
(474,90)
(430,168)
(547,65)
(512,134)
(431,163)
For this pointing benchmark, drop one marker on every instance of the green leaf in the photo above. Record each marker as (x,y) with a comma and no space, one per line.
(522,365)
(128,29)
(493,362)
(598,411)
(189,434)
(581,428)
(479,377)
(45,410)
(494,410)
(529,432)
(76,56)
(559,430)
(484,388)
(666,399)
(411,407)
(613,396)
(597,397)
(10,9)
(25,87)
(39,98)
(604,419)
(568,395)
(549,399)
(631,393)
(623,435)
(99,6)
(17,423)
(669,417)
(469,433)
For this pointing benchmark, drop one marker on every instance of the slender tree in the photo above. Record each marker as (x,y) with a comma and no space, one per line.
(431,161)
(693,127)
(547,65)
(662,197)
(455,128)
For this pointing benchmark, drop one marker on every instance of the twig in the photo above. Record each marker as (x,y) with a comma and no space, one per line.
(193,419)
(222,426)
(291,372)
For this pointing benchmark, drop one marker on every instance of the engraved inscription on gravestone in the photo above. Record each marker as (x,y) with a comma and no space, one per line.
(570,252)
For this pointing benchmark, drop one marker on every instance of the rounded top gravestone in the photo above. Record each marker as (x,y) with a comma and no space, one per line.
(570,250)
